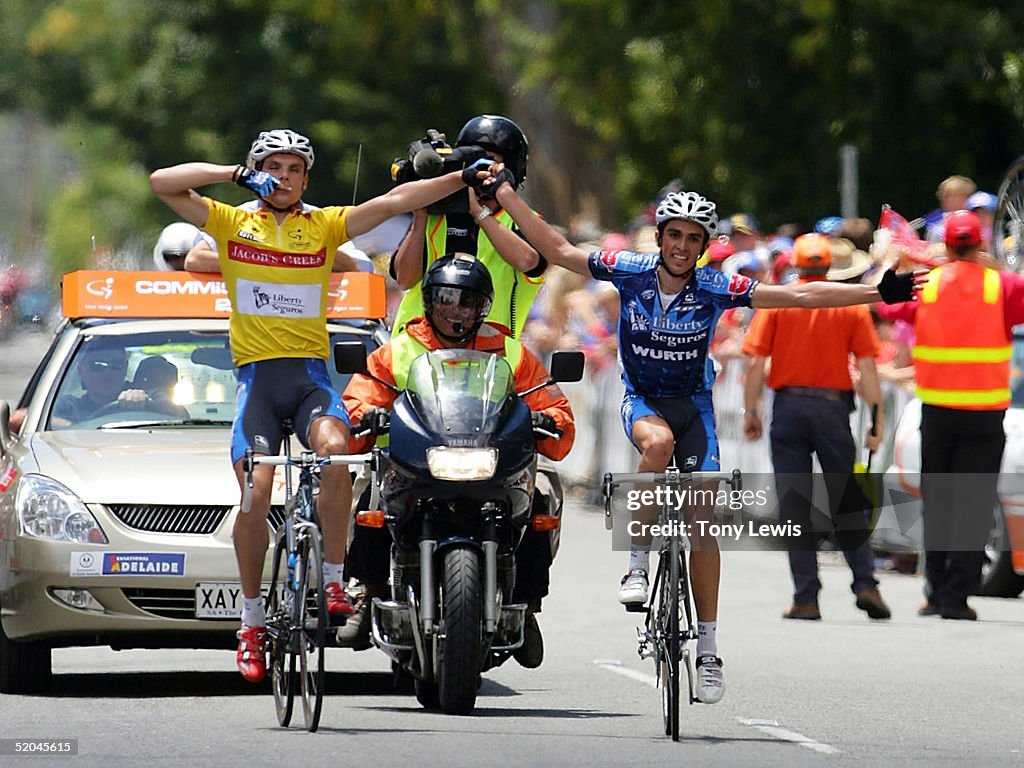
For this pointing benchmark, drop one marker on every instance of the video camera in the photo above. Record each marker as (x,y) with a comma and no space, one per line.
(433,156)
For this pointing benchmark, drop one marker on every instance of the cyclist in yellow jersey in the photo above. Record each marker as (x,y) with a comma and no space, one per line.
(276,261)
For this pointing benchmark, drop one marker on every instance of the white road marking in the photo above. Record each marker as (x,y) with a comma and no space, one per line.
(776,731)
(614,665)
(768,727)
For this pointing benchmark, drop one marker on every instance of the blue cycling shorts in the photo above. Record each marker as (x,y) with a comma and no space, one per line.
(692,420)
(269,391)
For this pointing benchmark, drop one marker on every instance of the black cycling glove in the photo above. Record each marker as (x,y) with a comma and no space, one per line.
(490,187)
(373,421)
(896,288)
(260,182)
(469,173)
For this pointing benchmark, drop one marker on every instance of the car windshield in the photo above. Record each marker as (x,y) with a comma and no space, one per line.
(167,376)
(153,378)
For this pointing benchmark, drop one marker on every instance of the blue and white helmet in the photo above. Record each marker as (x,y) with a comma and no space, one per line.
(688,206)
(279,140)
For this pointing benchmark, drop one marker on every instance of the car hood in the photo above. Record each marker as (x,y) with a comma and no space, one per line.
(139,466)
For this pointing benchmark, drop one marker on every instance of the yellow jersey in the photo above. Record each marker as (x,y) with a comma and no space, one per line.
(276,277)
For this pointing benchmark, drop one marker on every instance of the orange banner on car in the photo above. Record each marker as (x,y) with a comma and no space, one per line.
(93,293)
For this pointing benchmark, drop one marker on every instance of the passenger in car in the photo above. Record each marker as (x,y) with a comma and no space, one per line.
(157,376)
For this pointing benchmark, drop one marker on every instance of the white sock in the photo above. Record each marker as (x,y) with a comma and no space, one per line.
(333,572)
(253,614)
(707,642)
(639,558)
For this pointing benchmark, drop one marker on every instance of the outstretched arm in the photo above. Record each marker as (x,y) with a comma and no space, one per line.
(403,199)
(541,235)
(892,289)
(407,261)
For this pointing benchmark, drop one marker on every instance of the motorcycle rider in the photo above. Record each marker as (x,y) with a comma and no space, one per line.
(457,295)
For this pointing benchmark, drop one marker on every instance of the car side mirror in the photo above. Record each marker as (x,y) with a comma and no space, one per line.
(567,365)
(350,357)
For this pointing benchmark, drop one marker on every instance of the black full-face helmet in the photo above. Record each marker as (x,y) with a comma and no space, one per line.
(498,134)
(461,280)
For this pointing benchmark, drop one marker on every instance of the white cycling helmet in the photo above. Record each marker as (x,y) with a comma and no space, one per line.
(688,206)
(175,241)
(280,140)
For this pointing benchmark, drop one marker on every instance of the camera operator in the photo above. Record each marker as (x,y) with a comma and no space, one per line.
(470,222)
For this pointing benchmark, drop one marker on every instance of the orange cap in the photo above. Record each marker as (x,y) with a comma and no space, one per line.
(811,250)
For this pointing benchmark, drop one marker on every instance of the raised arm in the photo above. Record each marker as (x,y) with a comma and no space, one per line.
(541,235)
(403,199)
(176,187)
(509,245)
(407,261)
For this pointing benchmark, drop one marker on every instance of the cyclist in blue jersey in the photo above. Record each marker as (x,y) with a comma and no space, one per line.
(669,308)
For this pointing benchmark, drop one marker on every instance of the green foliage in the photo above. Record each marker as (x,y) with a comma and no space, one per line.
(748,101)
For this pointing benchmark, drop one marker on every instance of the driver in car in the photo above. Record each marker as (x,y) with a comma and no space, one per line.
(101,367)
(457,295)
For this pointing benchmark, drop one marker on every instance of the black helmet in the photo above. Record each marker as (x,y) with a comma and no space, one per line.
(458,278)
(498,134)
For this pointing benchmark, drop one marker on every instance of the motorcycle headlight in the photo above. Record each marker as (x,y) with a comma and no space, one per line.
(48,510)
(462,463)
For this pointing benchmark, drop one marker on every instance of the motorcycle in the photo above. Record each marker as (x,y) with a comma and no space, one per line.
(456,489)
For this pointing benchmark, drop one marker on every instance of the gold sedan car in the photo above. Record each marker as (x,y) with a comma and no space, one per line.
(117,496)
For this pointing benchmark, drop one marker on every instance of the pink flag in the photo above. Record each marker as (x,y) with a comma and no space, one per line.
(904,235)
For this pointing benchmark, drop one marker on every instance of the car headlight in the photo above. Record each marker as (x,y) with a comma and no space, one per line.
(462,463)
(48,510)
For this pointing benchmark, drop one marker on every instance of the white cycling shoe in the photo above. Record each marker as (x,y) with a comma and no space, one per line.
(634,587)
(710,681)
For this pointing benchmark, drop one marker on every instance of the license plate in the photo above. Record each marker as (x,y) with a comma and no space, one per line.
(220,599)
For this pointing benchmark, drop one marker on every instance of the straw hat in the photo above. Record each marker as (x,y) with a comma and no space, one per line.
(847,262)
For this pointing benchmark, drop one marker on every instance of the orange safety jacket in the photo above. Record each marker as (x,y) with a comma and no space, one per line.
(962,350)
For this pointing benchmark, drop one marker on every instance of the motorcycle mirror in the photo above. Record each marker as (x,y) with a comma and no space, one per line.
(350,357)
(567,365)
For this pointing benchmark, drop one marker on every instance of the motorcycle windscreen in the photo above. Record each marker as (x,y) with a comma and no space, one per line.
(460,391)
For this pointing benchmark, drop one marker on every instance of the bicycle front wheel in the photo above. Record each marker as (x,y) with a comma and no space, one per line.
(312,627)
(279,622)
(669,644)
(1008,229)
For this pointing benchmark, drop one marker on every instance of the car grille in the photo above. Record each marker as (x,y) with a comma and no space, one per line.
(169,603)
(181,519)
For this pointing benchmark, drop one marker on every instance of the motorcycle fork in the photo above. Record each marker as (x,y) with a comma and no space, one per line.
(490,548)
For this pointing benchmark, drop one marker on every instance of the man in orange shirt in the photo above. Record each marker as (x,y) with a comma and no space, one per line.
(810,374)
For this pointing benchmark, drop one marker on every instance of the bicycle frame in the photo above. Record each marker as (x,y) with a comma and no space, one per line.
(668,623)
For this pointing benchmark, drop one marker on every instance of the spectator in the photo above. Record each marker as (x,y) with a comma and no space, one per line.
(984,206)
(813,399)
(952,193)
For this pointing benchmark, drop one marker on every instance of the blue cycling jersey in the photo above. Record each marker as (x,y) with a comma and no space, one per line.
(664,352)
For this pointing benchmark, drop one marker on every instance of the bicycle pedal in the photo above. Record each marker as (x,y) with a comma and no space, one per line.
(635,607)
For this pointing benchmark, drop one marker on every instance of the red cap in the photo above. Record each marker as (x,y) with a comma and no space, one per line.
(963,228)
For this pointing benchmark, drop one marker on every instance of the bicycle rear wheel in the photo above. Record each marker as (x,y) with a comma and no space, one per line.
(1008,228)
(279,621)
(312,627)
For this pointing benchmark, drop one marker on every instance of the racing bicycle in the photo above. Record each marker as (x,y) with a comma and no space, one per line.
(296,603)
(669,623)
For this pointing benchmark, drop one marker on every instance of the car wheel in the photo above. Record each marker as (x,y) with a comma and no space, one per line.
(997,575)
(24,665)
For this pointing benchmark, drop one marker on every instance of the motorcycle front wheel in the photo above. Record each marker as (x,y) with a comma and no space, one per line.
(461,644)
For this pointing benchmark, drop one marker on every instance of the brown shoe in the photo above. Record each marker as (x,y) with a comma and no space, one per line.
(870,601)
(806,612)
(928,608)
(961,613)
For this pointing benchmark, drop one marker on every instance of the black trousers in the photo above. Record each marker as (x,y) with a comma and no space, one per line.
(961,452)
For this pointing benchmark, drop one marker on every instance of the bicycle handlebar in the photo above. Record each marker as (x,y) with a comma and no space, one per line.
(306,459)
(669,477)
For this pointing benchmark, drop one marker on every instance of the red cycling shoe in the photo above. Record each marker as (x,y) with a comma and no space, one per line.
(252,653)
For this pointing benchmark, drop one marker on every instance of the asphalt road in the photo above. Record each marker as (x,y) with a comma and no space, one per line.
(842,692)
(845,691)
